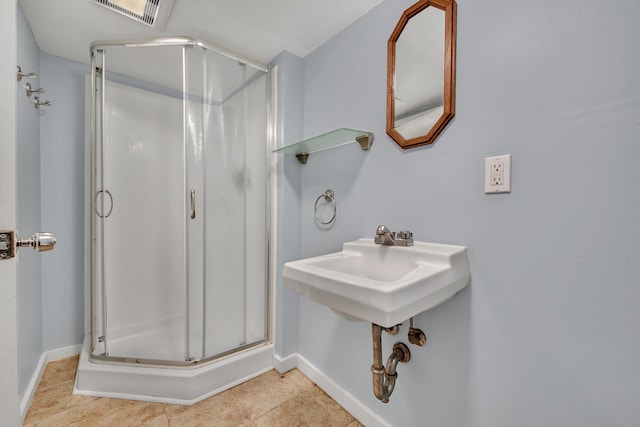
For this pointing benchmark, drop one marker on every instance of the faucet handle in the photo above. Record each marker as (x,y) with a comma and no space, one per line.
(404,238)
(404,234)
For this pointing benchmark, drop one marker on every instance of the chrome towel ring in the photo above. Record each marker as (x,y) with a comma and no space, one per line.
(329,197)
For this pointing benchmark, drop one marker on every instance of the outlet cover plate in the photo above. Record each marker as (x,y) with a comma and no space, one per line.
(497,174)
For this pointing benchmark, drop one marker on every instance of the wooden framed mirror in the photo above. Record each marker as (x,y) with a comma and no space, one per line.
(421,68)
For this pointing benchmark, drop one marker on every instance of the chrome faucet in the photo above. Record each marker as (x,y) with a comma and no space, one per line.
(384,236)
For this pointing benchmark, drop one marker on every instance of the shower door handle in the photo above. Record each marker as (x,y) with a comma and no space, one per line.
(102,214)
(192,213)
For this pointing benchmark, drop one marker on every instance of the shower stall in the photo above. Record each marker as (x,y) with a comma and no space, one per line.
(178,216)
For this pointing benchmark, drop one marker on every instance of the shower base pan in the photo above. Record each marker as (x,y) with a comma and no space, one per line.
(183,386)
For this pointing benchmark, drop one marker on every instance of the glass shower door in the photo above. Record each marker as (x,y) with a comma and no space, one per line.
(139,215)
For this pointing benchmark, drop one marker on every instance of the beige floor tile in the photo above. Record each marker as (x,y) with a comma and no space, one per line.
(339,416)
(355,423)
(59,371)
(261,394)
(300,379)
(192,419)
(121,413)
(219,404)
(160,421)
(94,410)
(58,419)
(51,400)
(298,411)
(220,410)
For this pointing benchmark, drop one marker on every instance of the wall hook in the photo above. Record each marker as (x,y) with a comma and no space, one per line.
(20,74)
(37,103)
(29,89)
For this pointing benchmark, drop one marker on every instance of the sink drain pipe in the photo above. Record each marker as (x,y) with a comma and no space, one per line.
(384,379)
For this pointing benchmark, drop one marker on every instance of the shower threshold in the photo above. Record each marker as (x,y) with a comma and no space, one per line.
(141,341)
(169,384)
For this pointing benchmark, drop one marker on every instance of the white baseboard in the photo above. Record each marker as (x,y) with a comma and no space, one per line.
(46,357)
(345,399)
(64,352)
(25,403)
(285,365)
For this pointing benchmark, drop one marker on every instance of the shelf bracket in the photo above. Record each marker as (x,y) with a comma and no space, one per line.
(365,141)
(302,157)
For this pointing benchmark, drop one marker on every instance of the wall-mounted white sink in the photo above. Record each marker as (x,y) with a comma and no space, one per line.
(385,285)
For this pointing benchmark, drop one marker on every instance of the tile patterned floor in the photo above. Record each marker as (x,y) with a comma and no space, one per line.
(268,400)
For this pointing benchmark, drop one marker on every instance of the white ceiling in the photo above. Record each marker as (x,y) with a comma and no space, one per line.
(258,29)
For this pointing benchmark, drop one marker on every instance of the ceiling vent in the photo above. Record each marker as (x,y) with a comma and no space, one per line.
(153,13)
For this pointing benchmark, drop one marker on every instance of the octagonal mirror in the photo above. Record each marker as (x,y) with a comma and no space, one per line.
(421,73)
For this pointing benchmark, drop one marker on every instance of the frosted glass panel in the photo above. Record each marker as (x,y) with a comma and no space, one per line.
(257,218)
(235,246)
(144,234)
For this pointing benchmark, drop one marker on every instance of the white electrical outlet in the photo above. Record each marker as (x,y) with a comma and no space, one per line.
(497,174)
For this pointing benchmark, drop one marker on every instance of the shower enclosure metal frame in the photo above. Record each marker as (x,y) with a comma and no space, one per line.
(96,128)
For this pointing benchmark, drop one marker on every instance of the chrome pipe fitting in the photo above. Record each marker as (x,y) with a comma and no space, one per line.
(384,379)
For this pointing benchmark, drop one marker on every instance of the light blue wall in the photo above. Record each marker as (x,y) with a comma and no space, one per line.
(62,151)
(546,332)
(28,206)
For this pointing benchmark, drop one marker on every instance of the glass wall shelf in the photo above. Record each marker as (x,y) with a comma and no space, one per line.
(332,139)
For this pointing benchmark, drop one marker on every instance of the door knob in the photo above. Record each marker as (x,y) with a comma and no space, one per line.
(40,242)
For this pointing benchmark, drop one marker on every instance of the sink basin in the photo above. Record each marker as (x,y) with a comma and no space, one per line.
(385,285)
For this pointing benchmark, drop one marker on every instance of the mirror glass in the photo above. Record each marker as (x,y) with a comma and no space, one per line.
(421,73)
(420,53)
